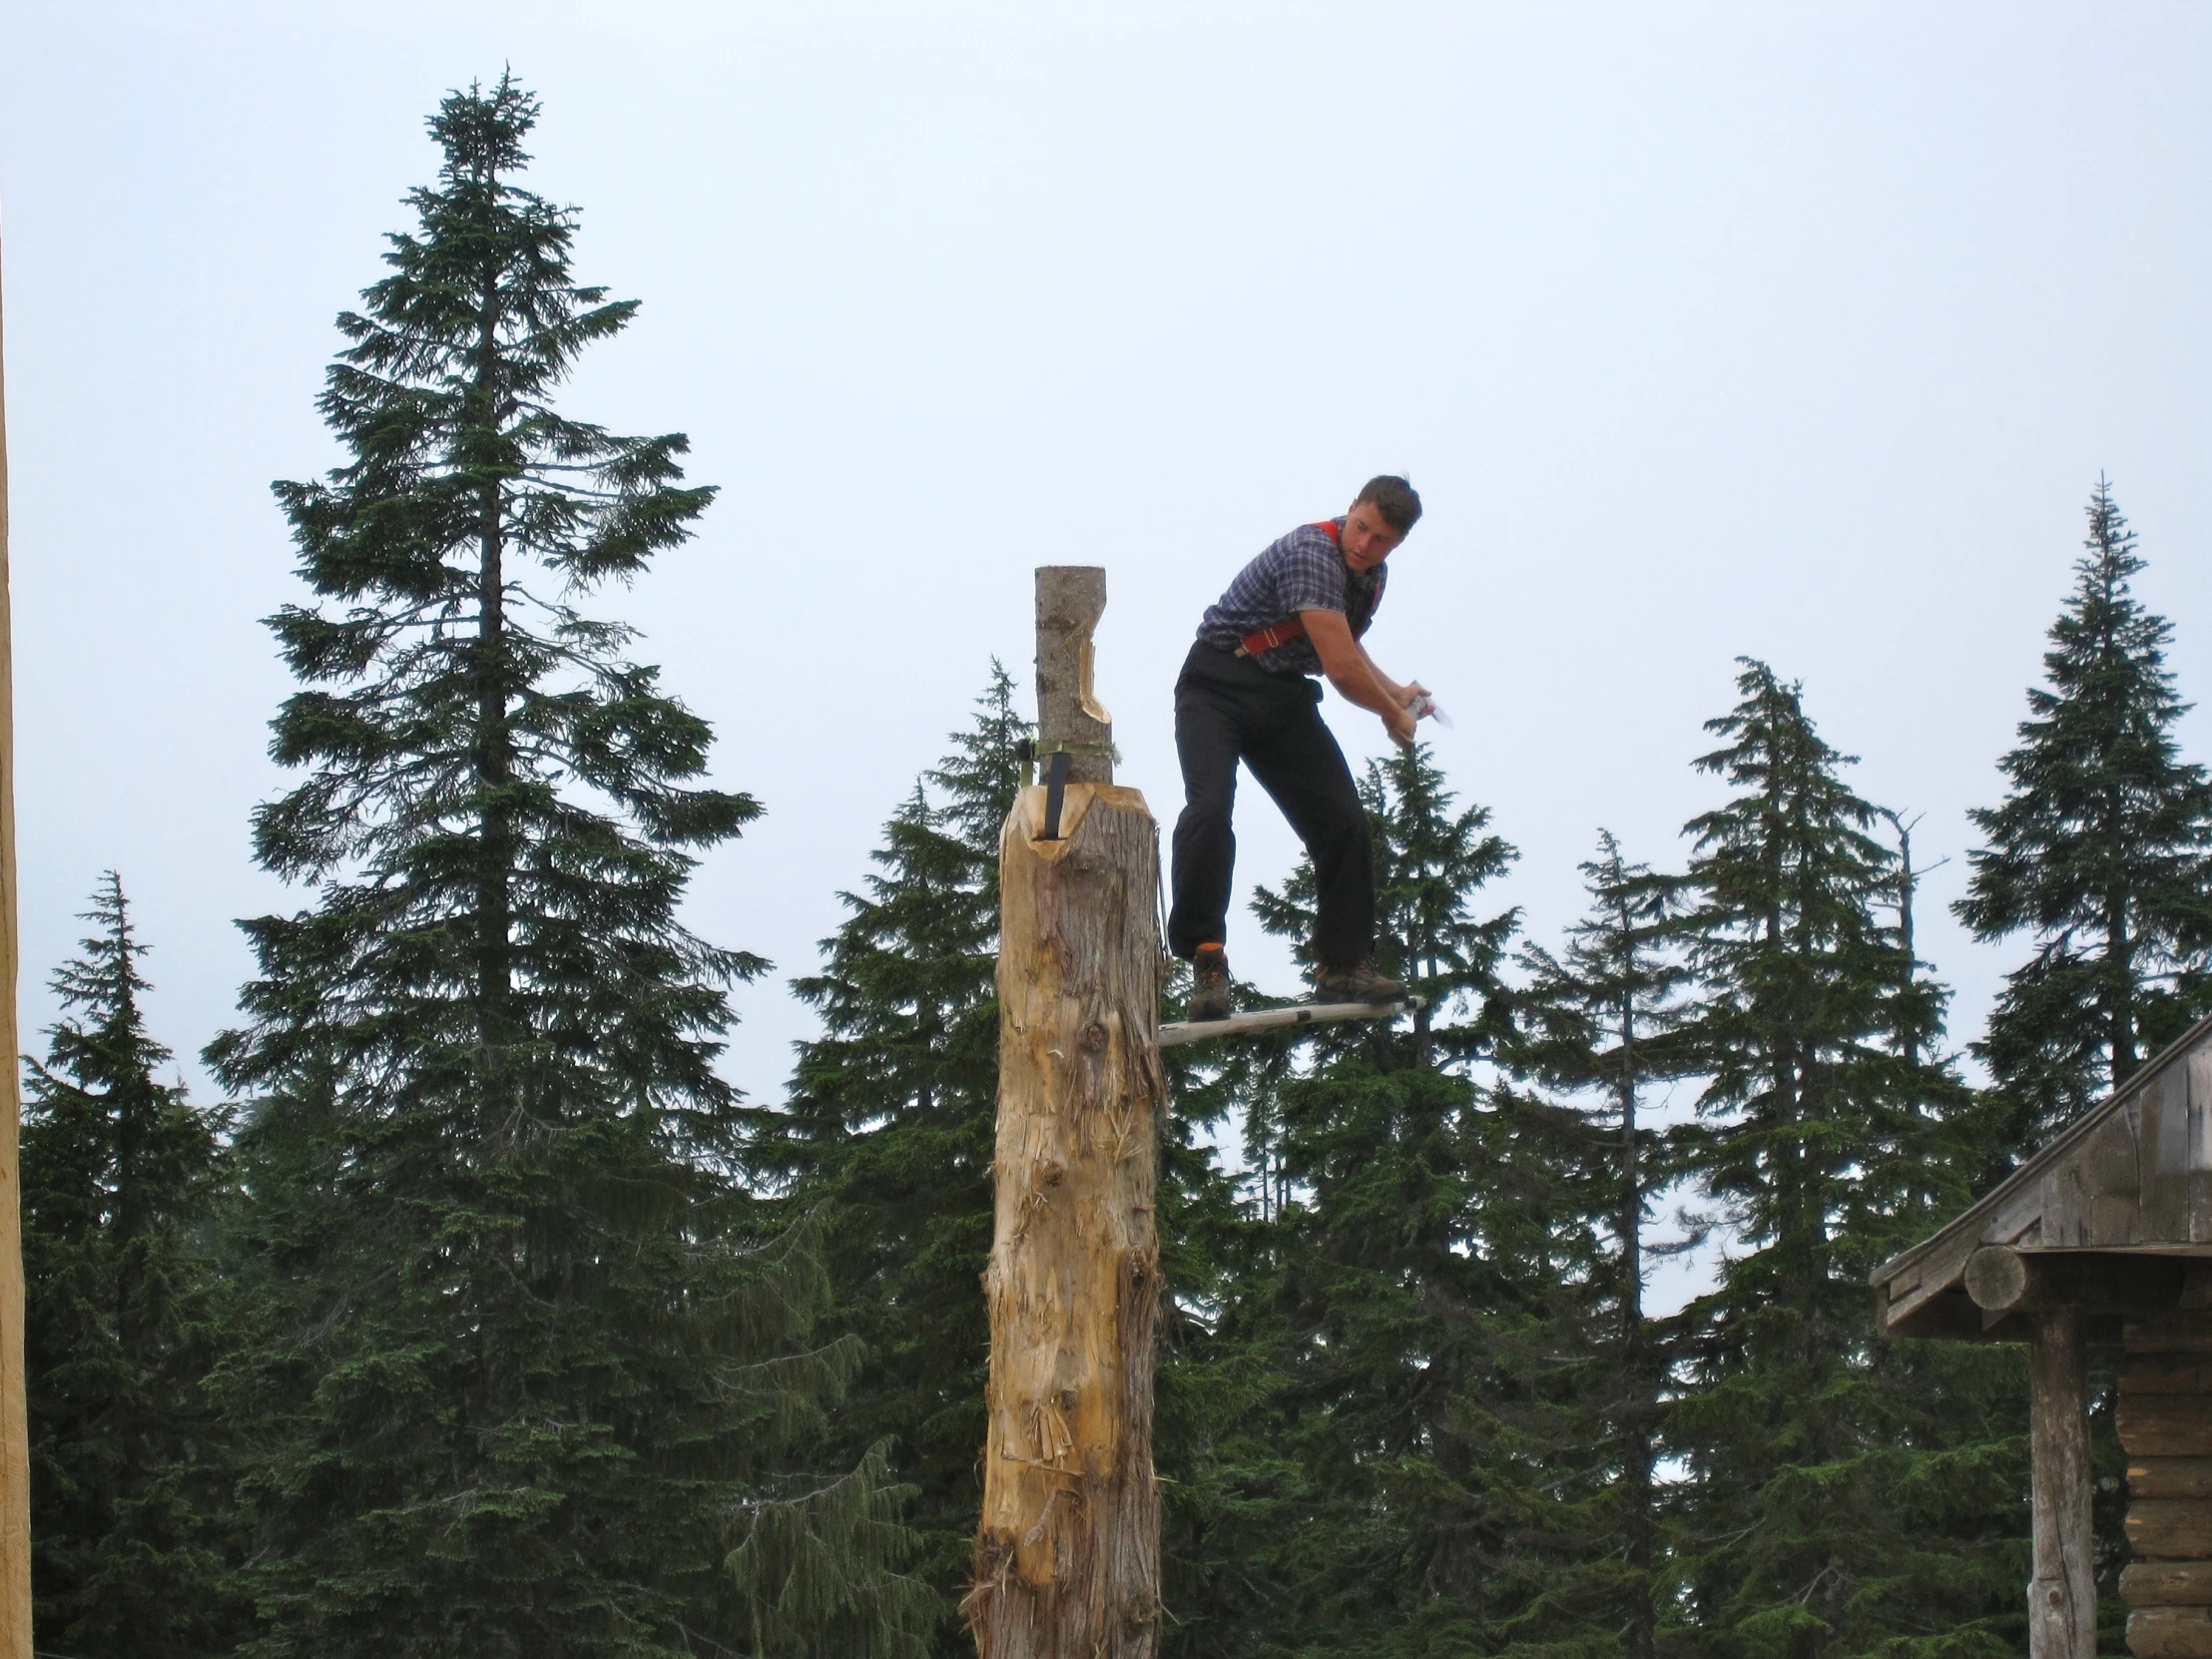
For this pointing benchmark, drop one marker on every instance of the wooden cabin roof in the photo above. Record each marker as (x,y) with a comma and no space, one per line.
(2133,1173)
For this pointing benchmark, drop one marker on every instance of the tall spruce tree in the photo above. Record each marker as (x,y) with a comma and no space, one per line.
(1848,1498)
(1387,1497)
(886,1139)
(1597,1021)
(129,1474)
(528,1384)
(2102,851)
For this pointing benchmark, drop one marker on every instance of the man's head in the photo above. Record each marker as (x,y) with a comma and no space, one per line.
(1381,514)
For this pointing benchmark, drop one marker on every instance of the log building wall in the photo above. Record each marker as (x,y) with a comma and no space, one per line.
(2165,1423)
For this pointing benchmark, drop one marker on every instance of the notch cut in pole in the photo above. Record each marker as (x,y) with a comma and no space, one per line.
(1055,794)
(1075,733)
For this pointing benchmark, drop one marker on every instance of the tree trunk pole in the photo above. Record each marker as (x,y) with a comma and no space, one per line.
(15,1437)
(1067,1558)
(2062,1598)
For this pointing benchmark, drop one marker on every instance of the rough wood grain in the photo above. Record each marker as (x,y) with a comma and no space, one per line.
(2167,1425)
(2170,1633)
(2003,1280)
(2016,1217)
(2164,1148)
(2062,1597)
(15,1441)
(2169,1476)
(2198,1071)
(1070,600)
(1067,1558)
(2186,1332)
(2170,1529)
(2065,1205)
(1996,1278)
(2113,1178)
(1947,1317)
(2167,1584)
(2166,1373)
(1932,1276)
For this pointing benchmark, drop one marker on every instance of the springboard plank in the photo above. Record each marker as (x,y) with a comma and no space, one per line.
(1175,1032)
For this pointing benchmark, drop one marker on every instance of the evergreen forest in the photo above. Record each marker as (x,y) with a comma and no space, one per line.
(485,1315)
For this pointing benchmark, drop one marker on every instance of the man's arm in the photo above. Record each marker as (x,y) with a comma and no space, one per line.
(1352,672)
(1400,694)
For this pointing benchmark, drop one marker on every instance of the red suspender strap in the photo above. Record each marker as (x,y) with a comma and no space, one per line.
(1267,639)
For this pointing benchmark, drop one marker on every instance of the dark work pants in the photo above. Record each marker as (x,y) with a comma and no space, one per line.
(1229,709)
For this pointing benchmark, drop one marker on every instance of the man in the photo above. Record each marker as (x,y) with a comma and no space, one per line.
(1245,694)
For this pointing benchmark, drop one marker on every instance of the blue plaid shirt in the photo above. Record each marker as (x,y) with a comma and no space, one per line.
(1302,571)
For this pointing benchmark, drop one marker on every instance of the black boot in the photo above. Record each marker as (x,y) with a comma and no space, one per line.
(1358,984)
(1210,998)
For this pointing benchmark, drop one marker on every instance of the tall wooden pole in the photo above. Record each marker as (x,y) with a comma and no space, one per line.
(15,1439)
(2062,1598)
(1067,1558)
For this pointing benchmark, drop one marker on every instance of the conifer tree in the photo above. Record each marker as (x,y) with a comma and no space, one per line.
(1212,1380)
(526,1381)
(1847,1498)
(1430,862)
(887,1137)
(2102,853)
(1597,1019)
(1386,1494)
(129,1519)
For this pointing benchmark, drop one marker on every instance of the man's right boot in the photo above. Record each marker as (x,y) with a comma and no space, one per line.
(1210,990)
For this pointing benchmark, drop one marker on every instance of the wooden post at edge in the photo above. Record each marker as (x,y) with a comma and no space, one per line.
(2062,1597)
(15,1436)
(1067,1555)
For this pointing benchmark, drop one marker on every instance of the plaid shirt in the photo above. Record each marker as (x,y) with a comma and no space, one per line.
(1302,571)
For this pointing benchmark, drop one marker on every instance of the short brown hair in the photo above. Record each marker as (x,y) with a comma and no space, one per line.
(1393,499)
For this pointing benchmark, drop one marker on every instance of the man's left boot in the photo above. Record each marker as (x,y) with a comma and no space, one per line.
(1358,984)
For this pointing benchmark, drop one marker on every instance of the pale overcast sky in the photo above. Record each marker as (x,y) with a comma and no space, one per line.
(1796,331)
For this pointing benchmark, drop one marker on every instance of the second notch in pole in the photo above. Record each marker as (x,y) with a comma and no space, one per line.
(1055,792)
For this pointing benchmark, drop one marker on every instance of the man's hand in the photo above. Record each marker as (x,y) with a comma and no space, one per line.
(1357,679)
